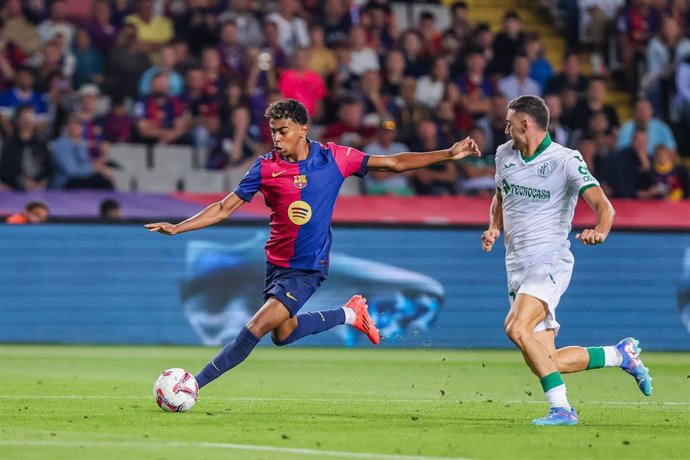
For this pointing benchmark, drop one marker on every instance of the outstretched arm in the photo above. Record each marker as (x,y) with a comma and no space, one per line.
(491,234)
(406,161)
(595,198)
(213,214)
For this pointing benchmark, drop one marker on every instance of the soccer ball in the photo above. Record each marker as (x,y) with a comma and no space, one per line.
(175,390)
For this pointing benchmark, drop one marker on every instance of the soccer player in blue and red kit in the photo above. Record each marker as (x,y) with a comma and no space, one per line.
(299,179)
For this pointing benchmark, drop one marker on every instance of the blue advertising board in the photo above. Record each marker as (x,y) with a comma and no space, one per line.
(427,287)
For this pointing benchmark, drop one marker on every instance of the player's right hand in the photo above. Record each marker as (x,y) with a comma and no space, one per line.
(162,227)
(488,238)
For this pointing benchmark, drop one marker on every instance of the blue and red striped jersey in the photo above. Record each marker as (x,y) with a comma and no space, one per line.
(301,196)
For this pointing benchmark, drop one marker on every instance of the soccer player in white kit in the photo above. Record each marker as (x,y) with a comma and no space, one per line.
(538,183)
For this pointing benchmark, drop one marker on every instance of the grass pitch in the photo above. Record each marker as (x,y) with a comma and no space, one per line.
(75,402)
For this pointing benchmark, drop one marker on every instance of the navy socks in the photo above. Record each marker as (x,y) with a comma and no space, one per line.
(234,353)
(313,323)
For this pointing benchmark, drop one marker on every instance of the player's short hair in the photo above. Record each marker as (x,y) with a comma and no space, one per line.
(31,205)
(288,109)
(534,106)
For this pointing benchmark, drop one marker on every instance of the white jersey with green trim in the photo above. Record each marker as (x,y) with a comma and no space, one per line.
(539,197)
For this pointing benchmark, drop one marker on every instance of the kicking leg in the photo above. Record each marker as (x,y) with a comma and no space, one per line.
(271,314)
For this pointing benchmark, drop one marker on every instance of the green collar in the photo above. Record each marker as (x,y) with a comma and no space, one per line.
(543,146)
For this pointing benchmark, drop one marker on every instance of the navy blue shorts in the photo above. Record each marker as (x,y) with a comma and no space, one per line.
(292,286)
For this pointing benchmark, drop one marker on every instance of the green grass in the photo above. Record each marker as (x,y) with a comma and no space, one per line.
(76,402)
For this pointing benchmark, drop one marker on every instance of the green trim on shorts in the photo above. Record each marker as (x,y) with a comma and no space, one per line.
(551,381)
(597,358)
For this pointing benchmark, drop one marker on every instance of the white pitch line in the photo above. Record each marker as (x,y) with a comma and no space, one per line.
(343,400)
(214,445)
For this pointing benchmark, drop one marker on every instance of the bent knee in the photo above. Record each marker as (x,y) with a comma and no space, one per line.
(518,332)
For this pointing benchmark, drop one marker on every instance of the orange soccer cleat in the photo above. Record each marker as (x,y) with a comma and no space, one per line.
(363,321)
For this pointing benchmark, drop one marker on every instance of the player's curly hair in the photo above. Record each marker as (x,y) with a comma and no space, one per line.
(534,106)
(288,109)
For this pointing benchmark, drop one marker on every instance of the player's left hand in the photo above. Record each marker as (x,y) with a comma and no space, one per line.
(162,227)
(465,148)
(590,236)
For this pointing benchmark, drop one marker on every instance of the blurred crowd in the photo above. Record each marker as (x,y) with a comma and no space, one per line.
(79,75)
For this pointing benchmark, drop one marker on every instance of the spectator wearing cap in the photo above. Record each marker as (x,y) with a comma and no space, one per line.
(292,30)
(658,132)
(25,161)
(507,44)
(153,31)
(519,83)
(19,29)
(160,117)
(166,67)
(22,93)
(74,167)
(303,84)
(381,182)
(56,23)
(35,212)
(90,65)
(126,63)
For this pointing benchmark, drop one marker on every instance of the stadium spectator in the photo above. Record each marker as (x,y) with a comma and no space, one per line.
(292,29)
(595,21)
(634,31)
(430,87)
(682,99)
(161,118)
(248,26)
(393,73)
(183,59)
(409,112)
(540,69)
(56,23)
(377,105)
(571,77)
(494,123)
(271,49)
(349,129)
(92,122)
(231,52)
(519,83)
(630,169)
(362,56)
(665,50)
(53,61)
(322,60)
(303,84)
(90,64)
(204,108)
(602,133)
(416,61)
(235,144)
(25,161)
(557,130)
(659,133)
(594,102)
(118,124)
(35,212)
(11,58)
(476,87)
(336,22)
(74,168)
(447,121)
(477,175)
(153,31)
(110,210)
(438,179)
(597,162)
(22,93)
(100,27)
(378,20)
(166,66)
(459,21)
(669,176)
(18,29)
(196,23)
(126,63)
(381,182)
(431,36)
(507,44)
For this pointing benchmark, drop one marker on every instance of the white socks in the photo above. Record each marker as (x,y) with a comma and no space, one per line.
(349,315)
(612,357)
(557,397)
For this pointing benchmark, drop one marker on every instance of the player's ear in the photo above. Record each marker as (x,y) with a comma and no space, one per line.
(303,131)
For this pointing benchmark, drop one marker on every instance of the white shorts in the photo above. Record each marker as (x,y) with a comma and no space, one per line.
(546,279)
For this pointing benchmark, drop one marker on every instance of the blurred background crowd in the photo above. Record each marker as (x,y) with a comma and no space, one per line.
(80,79)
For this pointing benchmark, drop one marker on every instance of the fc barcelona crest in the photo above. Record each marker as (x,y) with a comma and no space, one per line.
(300,181)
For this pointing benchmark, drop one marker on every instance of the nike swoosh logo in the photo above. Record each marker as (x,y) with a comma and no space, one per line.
(276,174)
(290,296)
(509,165)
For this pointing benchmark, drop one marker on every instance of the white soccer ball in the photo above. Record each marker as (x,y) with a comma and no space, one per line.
(175,390)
